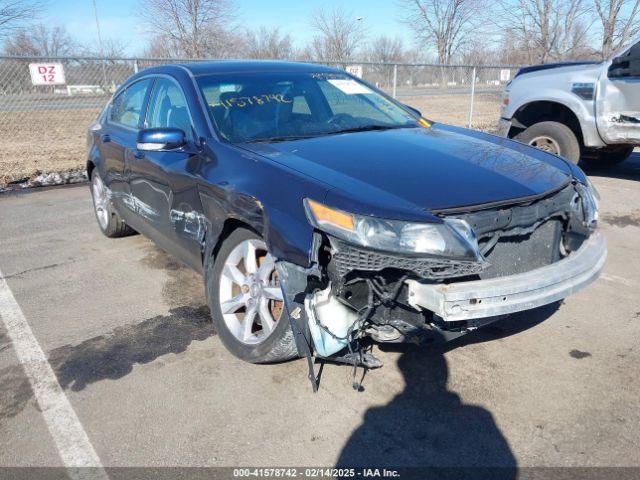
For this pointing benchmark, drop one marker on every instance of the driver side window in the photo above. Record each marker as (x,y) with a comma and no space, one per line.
(168,108)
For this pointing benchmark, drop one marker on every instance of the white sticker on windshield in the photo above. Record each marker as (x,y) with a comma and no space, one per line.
(228,87)
(348,86)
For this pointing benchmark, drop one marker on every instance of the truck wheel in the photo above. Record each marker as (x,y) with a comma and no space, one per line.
(608,156)
(552,137)
(246,301)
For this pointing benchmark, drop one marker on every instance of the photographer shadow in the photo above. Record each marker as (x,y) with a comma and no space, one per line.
(427,425)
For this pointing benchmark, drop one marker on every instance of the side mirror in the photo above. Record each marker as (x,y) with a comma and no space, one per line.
(619,67)
(414,110)
(154,139)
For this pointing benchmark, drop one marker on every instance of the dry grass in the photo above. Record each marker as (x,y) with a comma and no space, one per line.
(42,141)
(454,109)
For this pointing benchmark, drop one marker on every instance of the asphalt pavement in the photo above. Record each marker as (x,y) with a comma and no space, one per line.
(126,332)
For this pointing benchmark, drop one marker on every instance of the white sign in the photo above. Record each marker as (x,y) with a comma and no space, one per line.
(505,75)
(355,70)
(47,73)
(348,86)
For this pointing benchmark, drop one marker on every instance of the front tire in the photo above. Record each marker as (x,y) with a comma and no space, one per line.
(246,301)
(552,137)
(109,220)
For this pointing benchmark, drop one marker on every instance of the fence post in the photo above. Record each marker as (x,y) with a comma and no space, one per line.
(395,80)
(473,92)
(135,65)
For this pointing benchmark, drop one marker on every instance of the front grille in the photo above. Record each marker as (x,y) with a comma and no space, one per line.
(521,253)
(350,258)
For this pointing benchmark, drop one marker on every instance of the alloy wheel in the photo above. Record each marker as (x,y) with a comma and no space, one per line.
(251,299)
(100,201)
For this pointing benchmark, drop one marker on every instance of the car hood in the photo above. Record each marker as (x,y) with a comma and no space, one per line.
(546,67)
(403,173)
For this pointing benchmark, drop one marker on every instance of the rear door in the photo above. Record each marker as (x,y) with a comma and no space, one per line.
(618,98)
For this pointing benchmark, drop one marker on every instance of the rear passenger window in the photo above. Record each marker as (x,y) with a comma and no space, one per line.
(128,105)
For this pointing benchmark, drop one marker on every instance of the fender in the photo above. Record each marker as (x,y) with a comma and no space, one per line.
(262,194)
(217,212)
(584,114)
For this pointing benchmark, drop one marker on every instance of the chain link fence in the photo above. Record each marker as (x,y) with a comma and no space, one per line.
(43,127)
(464,95)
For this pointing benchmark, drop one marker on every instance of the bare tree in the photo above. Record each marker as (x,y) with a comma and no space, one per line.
(160,47)
(580,44)
(479,54)
(385,49)
(112,48)
(192,28)
(15,13)
(221,45)
(450,24)
(339,35)
(544,30)
(572,29)
(40,40)
(620,22)
(268,43)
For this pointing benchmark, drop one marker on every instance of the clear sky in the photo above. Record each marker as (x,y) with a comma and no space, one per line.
(118,18)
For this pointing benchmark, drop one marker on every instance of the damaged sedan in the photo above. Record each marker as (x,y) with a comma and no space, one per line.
(324,215)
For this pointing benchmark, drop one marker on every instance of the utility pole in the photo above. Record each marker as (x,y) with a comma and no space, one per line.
(100,45)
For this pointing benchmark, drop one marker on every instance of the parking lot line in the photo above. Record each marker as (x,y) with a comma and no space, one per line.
(72,442)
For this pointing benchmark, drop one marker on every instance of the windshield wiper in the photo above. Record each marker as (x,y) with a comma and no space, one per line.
(283,138)
(361,128)
(368,128)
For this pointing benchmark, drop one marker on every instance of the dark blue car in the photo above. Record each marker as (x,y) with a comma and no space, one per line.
(321,212)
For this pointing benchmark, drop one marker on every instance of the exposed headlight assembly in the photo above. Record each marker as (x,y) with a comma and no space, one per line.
(451,239)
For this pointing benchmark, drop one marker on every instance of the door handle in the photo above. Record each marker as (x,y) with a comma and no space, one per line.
(105,138)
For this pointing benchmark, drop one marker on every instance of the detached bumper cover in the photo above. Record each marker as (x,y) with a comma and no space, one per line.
(513,293)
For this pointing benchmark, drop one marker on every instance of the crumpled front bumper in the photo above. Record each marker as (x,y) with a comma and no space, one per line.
(513,293)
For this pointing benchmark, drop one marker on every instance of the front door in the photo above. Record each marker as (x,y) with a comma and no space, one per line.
(162,182)
(618,98)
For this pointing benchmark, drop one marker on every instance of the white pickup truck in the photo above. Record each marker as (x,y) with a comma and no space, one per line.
(578,110)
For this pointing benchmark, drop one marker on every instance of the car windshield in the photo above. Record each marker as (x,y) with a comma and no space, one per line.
(272,107)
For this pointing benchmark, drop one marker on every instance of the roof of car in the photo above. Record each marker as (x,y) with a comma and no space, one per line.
(247,66)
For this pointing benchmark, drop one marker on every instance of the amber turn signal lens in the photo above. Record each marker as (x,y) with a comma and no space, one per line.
(324,214)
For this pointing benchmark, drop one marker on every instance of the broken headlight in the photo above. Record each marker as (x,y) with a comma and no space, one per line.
(453,238)
(589,197)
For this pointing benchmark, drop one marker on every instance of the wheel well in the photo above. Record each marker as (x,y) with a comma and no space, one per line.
(229,226)
(545,111)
